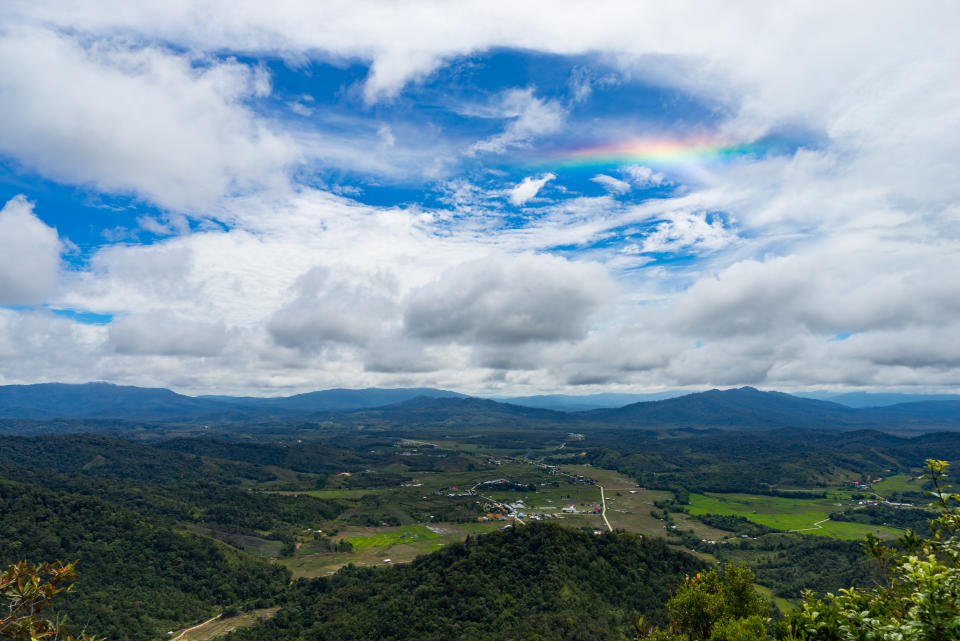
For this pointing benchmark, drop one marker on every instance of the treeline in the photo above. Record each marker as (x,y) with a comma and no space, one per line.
(539,582)
(138,577)
(769,462)
(904,518)
(789,563)
(736,524)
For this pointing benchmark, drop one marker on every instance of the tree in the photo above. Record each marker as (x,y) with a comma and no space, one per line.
(719,605)
(920,598)
(26,593)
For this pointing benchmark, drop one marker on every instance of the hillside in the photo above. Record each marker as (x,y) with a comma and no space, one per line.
(138,578)
(151,413)
(745,407)
(336,399)
(458,412)
(535,582)
(749,408)
(99,400)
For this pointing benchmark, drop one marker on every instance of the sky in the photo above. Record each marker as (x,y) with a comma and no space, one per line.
(494,197)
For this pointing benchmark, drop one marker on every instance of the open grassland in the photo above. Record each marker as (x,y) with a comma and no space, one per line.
(897,484)
(372,546)
(805,515)
(405,534)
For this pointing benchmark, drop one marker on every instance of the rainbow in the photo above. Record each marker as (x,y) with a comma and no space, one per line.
(648,152)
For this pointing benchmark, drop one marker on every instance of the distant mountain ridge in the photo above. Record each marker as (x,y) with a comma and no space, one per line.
(585,402)
(99,400)
(871,399)
(743,408)
(338,398)
(106,400)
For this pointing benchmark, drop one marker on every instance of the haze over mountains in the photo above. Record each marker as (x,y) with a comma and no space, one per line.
(743,408)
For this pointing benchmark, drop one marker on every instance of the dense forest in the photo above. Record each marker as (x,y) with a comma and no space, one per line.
(536,582)
(137,576)
(768,462)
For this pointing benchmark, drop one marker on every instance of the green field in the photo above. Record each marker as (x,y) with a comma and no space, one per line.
(406,534)
(786,514)
(897,484)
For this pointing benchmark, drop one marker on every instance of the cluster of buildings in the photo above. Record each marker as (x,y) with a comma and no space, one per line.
(454,491)
(887,503)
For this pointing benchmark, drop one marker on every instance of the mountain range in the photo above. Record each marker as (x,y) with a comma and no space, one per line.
(743,408)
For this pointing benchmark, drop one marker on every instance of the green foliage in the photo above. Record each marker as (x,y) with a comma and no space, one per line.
(765,462)
(541,581)
(735,524)
(26,591)
(140,577)
(708,602)
(751,628)
(904,518)
(920,599)
(790,563)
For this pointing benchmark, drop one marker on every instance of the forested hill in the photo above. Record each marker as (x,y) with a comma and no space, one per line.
(137,576)
(749,408)
(540,581)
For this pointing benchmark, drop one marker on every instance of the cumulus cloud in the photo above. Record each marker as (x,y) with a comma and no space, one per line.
(855,234)
(328,309)
(164,334)
(29,255)
(137,120)
(528,189)
(507,300)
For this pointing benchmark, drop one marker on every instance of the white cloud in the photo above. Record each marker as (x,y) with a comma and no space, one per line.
(163,334)
(527,189)
(529,117)
(688,231)
(136,120)
(858,233)
(352,309)
(612,184)
(507,300)
(642,176)
(29,255)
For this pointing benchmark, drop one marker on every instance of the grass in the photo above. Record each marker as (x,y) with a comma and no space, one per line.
(897,484)
(784,605)
(786,514)
(402,545)
(405,534)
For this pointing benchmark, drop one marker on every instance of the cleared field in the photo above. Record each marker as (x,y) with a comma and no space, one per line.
(806,515)
(784,605)
(898,483)
(609,479)
(405,534)
(400,545)
(218,627)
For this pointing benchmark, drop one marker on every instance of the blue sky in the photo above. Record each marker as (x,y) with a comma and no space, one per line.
(244,199)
